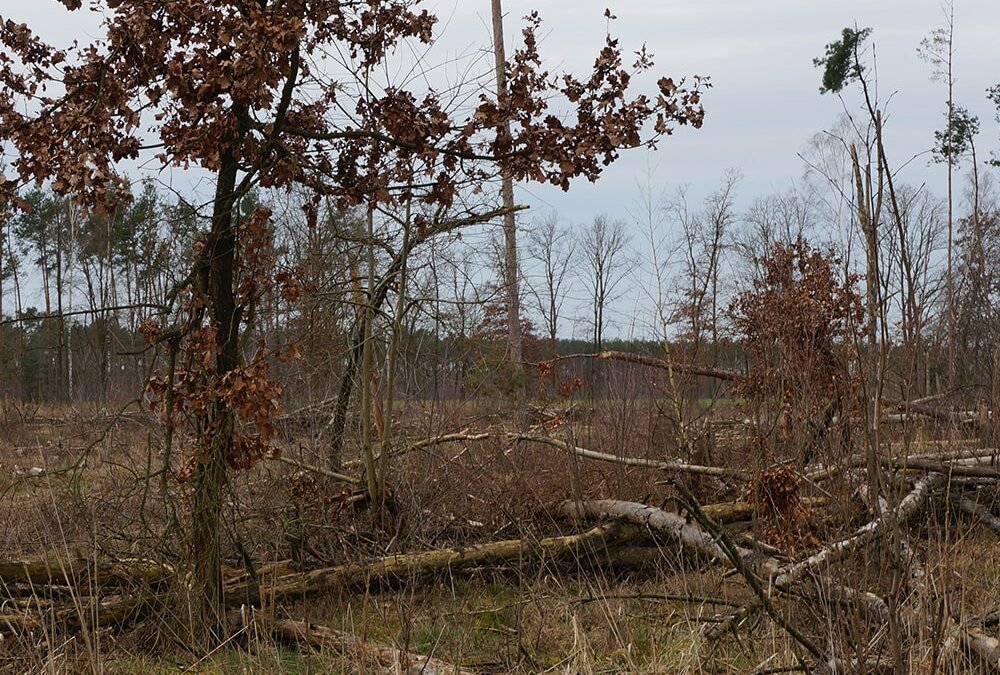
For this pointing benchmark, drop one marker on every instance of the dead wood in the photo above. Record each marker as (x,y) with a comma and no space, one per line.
(335,475)
(659,465)
(982,515)
(907,508)
(80,571)
(366,652)
(653,362)
(458,437)
(18,623)
(948,416)
(670,467)
(978,644)
(406,567)
(784,577)
(673,525)
(976,463)
(83,614)
(735,512)
(980,468)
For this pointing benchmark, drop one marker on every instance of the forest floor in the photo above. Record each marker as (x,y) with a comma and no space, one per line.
(88,484)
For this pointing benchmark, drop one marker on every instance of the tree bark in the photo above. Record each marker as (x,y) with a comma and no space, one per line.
(216,427)
(410,566)
(514,337)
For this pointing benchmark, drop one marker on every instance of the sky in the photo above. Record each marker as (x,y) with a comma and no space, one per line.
(764,104)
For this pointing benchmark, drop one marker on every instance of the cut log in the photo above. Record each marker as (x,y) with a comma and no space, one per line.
(367,653)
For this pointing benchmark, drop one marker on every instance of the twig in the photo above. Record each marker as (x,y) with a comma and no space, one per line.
(317,469)
(661,597)
(673,467)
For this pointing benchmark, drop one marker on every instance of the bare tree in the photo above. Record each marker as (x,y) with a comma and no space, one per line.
(939,50)
(780,218)
(552,250)
(977,285)
(704,236)
(604,264)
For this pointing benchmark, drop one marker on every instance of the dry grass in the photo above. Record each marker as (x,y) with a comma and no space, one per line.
(566,619)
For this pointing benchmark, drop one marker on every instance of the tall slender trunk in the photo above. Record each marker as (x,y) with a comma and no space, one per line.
(60,321)
(514,337)
(15,274)
(376,492)
(4,377)
(338,421)
(71,216)
(392,360)
(950,285)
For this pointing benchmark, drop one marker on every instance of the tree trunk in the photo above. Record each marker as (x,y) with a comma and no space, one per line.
(216,428)
(995,396)
(514,337)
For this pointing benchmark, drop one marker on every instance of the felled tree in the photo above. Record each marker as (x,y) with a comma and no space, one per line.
(797,325)
(240,88)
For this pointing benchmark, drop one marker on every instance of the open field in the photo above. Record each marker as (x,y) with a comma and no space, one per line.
(638,604)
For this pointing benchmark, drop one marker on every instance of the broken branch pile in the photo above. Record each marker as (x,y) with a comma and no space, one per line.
(80,593)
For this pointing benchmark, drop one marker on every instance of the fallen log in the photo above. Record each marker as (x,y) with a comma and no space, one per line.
(652,362)
(409,566)
(335,475)
(735,512)
(351,646)
(784,578)
(80,571)
(980,463)
(907,508)
(951,416)
(670,467)
(659,465)
(18,623)
(975,510)
(457,437)
(673,525)
(116,612)
(83,615)
(964,468)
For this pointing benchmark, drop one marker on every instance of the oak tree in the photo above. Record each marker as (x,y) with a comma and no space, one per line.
(252,92)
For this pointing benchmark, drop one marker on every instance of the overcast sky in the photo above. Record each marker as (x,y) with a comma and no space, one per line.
(764,104)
